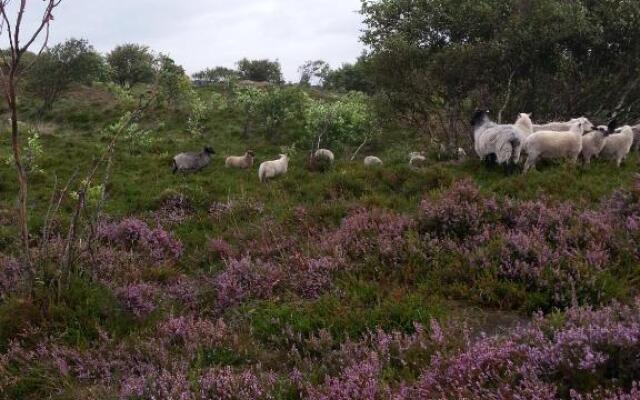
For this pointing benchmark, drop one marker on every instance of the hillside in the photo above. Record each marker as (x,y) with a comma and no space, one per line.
(353,283)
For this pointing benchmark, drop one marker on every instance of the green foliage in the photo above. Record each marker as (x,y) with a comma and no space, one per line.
(31,153)
(435,61)
(217,75)
(260,70)
(350,77)
(347,121)
(131,64)
(55,70)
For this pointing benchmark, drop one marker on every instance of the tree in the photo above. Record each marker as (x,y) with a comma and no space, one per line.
(313,72)
(435,61)
(74,61)
(217,75)
(260,70)
(11,67)
(131,64)
(350,77)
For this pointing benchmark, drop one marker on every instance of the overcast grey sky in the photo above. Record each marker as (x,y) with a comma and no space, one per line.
(206,33)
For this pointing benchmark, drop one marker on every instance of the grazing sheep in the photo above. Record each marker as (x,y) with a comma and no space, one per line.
(618,144)
(324,154)
(192,161)
(563,126)
(240,162)
(554,144)
(462,155)
(502,143)
(372,161)
(272,169)
(417,159)
(320,160)
(593,142)
(524,124)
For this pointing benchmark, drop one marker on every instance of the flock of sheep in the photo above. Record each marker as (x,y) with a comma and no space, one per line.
(268,169)
(504,144)
(499,143)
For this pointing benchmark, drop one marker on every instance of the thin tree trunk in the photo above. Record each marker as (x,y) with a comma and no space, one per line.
(507,100)
(355,154)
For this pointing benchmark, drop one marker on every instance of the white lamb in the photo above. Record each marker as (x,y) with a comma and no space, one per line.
(272,169)
(240,162)
(417,159)
(618,144)
(372,161)
(552,144)
(524,124)
(504,142)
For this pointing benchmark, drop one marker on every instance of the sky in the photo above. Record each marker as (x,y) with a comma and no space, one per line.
(208,33)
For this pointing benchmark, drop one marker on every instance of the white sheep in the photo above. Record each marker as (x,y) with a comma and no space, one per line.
(552,144)
(593,142)
(240,162)
(372,161)
(617,145)
(324,154)
(563,126)
(504,142)
(272,169)
(192,161)
(417,159)
(524,124)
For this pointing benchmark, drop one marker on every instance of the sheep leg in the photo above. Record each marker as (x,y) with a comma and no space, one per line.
(531,162)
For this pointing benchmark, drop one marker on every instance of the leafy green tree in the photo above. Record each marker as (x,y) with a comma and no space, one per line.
(349,121)
(313,72)
(436,60)
(350,77)
(217,75)
(55,70)
(260,70)
(131,64)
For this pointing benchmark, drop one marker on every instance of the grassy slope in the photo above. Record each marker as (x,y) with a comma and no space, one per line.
(362,300)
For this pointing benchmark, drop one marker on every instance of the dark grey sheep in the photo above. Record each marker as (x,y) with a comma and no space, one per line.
(192,161)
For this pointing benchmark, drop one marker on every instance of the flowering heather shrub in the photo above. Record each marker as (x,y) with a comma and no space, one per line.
(370,232)
(548,247)
(174,208)
(246,279)
(138,298)
(133,234)
(310,277)
(225,384)
(220,249)
(192,333)
(10,273)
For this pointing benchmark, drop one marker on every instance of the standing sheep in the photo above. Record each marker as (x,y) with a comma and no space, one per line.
(618,144)
(524,124)
(417,159)
(324,154)
(192,161)
(272,169)
(320,160)
(240,162)
(552,144)
(593,142)
(492,141)
(563,126)
(372,161)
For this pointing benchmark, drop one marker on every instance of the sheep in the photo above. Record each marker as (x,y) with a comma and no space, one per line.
(593,142)
(502,143)
(554,144)
(272,169)
(320,160)
(563,126)
(417,159)
(324,154)
(240,162)
(617,145)
(372,161)
(524,124)
(192,161)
